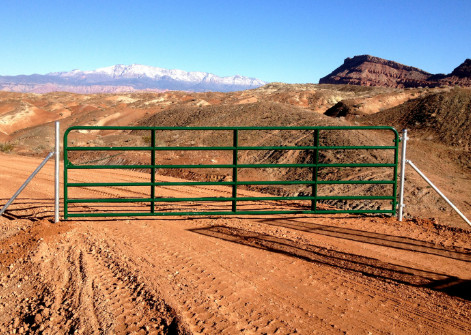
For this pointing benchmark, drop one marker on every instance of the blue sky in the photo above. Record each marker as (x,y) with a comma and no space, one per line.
(295,41)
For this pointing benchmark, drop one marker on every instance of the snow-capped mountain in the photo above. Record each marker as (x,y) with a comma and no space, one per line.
(127,78)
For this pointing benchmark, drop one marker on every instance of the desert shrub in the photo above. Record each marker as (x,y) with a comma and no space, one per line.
(147,139)
(6,147)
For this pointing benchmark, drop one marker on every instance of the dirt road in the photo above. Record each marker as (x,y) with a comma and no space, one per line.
(318,274)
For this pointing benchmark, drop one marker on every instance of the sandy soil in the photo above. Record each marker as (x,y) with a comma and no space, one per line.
(255,275)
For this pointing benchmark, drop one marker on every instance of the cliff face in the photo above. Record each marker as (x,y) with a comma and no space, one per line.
(366,70)
(463,71)
(460,76)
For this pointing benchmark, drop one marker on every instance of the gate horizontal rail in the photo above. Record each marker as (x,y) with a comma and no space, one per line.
(220,166)
(230,199)
(276,182)
(314,166)
(225,148)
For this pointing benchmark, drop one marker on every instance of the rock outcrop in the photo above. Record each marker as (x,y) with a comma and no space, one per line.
(460,76)
(463,71)
(366,70)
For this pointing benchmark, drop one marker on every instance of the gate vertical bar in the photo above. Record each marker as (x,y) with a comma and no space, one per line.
(397,140)
(235,140)
(403,174)
(152,172)
(315,171)
(66,165)
(56,177)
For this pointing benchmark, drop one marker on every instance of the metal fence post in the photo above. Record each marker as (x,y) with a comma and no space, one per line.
(56,179)
(403,174)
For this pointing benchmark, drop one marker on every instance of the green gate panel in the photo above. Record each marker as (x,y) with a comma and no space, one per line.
(235,199)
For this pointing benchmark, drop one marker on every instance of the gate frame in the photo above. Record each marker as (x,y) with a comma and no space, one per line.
(234,166)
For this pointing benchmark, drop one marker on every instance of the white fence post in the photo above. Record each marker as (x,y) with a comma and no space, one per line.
(403,174)
(56,173)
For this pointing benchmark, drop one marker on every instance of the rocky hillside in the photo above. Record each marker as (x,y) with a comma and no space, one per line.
(444,117)
(366,70)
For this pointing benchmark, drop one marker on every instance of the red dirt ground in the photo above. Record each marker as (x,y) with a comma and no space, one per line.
(316,274)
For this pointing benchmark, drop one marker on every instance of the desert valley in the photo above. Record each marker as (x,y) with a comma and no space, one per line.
(268,274)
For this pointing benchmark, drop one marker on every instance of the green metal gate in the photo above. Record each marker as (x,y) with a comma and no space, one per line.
(235,199)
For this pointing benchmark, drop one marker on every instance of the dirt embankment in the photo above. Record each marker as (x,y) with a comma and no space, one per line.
(443,117)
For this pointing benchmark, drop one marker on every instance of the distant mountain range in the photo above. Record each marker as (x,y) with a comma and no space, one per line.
(366,70)
(126,78)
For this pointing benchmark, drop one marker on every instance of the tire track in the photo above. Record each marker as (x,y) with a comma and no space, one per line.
(94,294)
